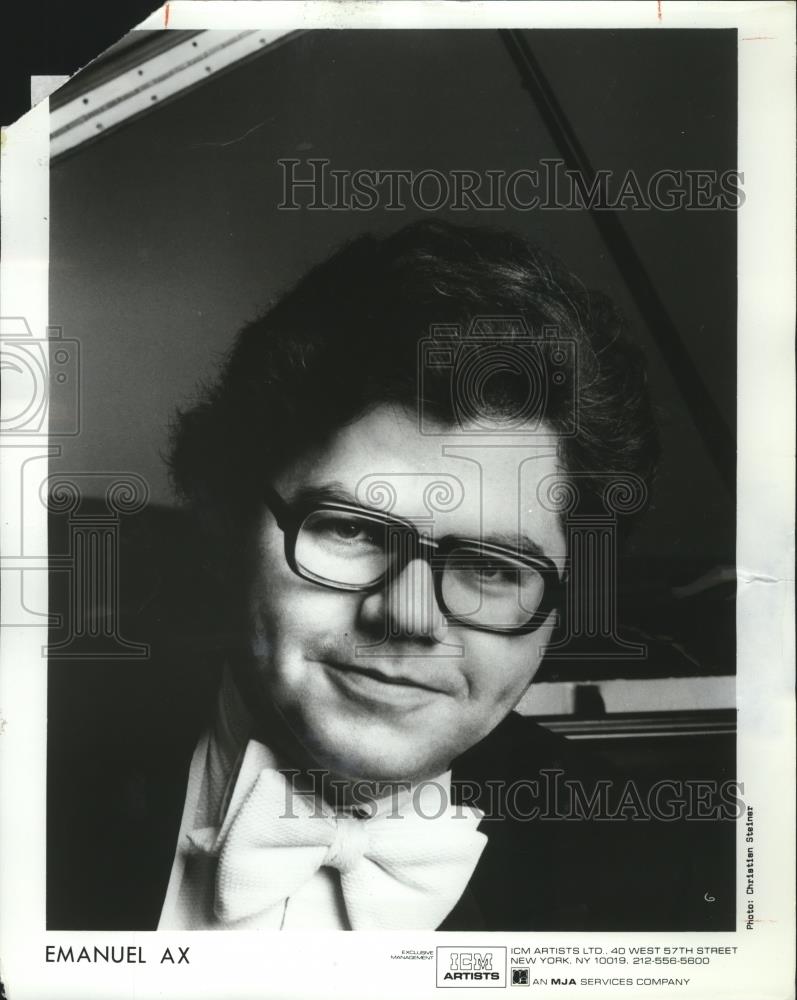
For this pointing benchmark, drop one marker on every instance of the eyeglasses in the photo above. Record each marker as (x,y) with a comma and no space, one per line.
(482,586)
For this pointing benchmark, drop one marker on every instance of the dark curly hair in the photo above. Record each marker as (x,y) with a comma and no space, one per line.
(346,338)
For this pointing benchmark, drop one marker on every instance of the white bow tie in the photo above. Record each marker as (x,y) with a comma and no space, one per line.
(397,872)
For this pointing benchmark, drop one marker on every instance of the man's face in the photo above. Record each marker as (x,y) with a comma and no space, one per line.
(355,702)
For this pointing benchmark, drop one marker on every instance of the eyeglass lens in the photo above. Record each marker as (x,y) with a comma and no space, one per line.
(354,550)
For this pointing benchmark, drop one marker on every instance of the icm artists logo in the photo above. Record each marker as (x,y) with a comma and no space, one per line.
(457,966)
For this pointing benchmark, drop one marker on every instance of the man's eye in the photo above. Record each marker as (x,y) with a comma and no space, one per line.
(490,575)
(350,531)
(497,573)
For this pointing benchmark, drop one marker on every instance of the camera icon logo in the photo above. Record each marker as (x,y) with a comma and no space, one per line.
(498,366)
(29,394)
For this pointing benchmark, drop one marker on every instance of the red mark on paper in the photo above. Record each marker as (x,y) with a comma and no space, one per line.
(759,38)
(658,9)
(166,16)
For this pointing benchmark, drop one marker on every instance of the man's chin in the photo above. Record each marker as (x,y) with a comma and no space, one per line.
(374,758)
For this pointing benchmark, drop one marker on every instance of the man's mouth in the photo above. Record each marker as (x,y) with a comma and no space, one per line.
(375,685)
(385,678)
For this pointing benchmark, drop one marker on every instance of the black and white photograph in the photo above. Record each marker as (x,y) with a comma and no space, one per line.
(398,458)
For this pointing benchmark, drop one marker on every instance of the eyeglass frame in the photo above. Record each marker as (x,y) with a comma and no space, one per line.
(291,516)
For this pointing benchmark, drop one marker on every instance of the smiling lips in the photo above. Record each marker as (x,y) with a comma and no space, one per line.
(379,683)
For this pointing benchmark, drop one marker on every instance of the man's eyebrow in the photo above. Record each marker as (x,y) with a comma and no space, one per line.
(334,492)
(521,544)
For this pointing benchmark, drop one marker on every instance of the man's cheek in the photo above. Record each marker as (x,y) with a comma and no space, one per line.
(490,699)
(506,667)
(279,598)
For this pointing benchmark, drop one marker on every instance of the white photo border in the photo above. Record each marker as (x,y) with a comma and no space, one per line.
(246,964)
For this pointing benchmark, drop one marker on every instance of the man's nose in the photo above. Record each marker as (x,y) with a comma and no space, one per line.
(406,606)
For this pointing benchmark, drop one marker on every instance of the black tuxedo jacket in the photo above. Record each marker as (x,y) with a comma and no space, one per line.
(121,733)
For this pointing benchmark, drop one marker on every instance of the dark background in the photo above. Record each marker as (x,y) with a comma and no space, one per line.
(166,237)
